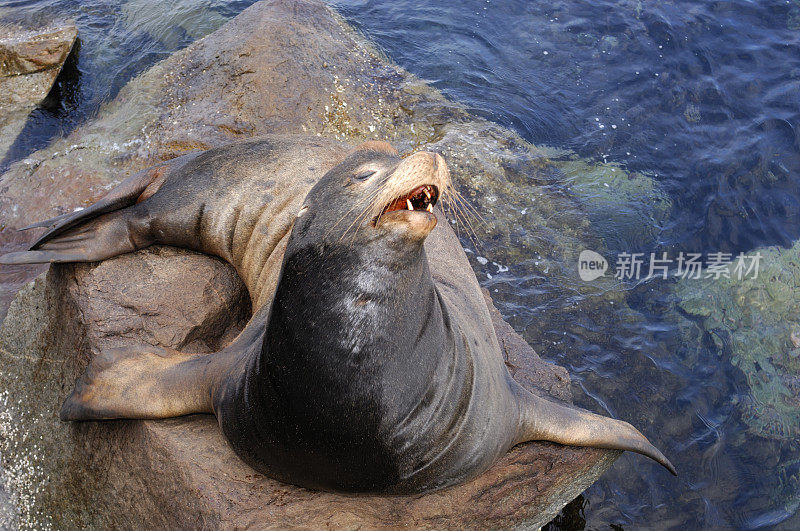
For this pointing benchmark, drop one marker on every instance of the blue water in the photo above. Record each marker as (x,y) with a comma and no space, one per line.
(705,96)
(551,69)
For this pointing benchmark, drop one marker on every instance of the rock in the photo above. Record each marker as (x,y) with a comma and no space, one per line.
(180,473)
(750,318)
(30,61)
(751,313)
(12,122)
(7,512)
(744,325)
(290,66)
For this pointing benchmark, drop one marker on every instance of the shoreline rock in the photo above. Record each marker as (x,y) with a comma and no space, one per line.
(290,66)
(30,61)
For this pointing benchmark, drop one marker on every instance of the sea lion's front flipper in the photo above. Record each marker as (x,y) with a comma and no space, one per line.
(543,420)
(140,383)
(148,382)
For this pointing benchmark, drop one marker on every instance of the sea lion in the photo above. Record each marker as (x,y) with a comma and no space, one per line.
(370,364)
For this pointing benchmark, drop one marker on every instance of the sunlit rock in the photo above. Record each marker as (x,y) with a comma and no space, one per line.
(30,61)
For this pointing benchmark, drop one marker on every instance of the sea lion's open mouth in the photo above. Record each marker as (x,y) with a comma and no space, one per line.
(421,198)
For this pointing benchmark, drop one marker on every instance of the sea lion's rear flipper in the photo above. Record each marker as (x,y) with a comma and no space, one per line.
(543,420)
(140,383)
(132,190)
(106,228)
(99,238)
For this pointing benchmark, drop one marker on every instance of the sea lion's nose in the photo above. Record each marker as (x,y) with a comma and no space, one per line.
(439,162)
(442,170)
(433,160)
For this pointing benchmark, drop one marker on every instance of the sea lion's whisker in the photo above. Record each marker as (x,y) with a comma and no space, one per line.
(458,197)
(461,215)
(370,201)
(461,225)
(467,209)
(366,199)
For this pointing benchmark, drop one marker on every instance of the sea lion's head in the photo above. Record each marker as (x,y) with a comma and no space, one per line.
(355,259)
(356,250)
(374,195)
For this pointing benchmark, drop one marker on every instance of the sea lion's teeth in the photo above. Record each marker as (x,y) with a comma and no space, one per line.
(430,208)
(427,192)
(410,206)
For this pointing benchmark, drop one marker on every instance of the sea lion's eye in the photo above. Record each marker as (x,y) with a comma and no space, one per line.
(364,175)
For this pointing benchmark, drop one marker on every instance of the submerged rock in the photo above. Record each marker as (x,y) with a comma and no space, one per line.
(172,22)
(753,321)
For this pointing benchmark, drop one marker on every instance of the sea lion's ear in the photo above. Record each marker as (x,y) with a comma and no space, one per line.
(377,145)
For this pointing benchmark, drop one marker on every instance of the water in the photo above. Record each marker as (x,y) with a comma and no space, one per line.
(116,41)
(705,96)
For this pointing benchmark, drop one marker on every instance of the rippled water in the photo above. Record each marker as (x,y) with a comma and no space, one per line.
(704,96)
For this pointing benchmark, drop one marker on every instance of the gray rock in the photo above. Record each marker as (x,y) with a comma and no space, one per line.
(7,512)
(30,61)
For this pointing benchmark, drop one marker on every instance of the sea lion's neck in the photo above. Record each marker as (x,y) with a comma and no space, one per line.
(360,328)
(360,304)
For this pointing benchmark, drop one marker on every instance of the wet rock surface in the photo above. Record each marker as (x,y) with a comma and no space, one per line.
(7,511)
(30,61)
(286,67)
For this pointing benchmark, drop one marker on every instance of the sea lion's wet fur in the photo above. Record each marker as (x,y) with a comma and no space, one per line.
(371,363)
